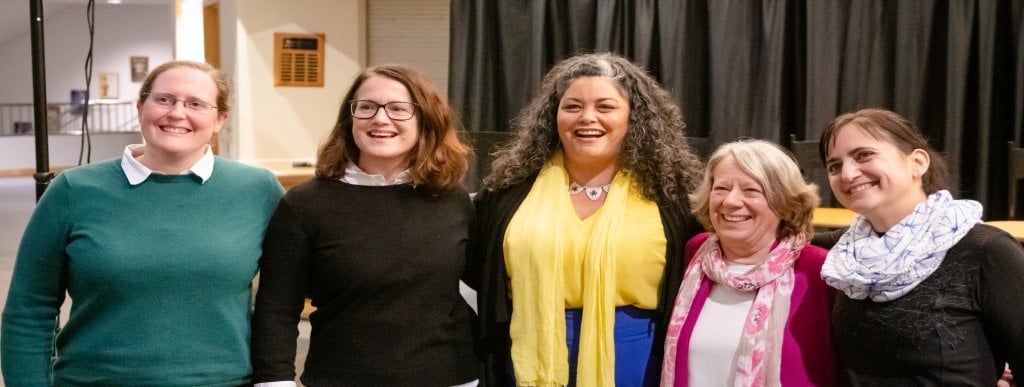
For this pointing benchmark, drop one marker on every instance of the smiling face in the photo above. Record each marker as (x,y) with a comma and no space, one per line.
(874,178)
(593,119)
(385,145)
(173,134)
(740,214)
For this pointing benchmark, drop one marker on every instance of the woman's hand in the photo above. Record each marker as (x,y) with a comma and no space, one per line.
(1006,380)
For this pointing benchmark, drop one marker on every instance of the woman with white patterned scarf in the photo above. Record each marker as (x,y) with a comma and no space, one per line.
(752,309)
(933,296)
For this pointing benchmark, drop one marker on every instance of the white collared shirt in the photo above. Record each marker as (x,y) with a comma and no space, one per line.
(138,173)
(355,176)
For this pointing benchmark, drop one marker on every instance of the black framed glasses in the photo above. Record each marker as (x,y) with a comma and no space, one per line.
(398,111)
(194,105)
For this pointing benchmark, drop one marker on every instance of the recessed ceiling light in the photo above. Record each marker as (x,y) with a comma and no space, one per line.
(113,1)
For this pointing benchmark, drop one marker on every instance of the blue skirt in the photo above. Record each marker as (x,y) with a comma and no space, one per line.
(634,336)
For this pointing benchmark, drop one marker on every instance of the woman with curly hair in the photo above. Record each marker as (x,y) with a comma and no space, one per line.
(576,252)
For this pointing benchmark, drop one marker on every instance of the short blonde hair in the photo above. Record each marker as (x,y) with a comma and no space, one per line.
(788,195)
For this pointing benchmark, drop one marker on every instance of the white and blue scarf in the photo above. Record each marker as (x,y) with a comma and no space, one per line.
(885,267)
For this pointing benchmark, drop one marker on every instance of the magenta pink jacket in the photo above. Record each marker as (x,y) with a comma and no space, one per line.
(807,358)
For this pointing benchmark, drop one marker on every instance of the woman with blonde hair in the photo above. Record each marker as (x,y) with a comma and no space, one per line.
(157,250)
(752,309)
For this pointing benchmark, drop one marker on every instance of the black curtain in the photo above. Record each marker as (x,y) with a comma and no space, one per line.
(771,68)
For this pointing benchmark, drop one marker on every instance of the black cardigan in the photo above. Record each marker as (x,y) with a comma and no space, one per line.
(485,272)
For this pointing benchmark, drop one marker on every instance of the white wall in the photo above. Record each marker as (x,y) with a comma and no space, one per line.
(286,123)
(121,31)
(267,123)
(410,32)
(64,150)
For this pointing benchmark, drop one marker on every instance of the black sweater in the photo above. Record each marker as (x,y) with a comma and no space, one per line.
(486,273)
(958,327)
(382,266)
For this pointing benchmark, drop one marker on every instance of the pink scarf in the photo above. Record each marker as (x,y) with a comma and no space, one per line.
(759,354)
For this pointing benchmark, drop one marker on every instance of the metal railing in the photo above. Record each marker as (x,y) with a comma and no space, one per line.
(16,119)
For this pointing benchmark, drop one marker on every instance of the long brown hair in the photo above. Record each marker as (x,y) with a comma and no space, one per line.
(440,160)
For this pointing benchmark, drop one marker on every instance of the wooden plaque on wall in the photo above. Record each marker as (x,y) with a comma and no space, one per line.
(298,59)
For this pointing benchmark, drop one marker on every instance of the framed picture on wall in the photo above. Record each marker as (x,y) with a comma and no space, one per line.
(140,68)
(108,85)
(78,101)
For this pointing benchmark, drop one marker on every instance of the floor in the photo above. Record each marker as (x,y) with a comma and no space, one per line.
(17,200)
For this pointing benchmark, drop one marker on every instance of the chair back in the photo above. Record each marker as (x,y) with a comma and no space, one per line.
(806,154)
(1015,159)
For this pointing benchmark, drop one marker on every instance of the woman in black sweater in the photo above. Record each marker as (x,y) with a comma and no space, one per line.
(377,240)
(933,296)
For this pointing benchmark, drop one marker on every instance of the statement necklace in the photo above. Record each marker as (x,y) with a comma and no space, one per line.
(594,193)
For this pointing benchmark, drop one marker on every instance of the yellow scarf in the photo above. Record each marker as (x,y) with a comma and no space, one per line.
(534,255)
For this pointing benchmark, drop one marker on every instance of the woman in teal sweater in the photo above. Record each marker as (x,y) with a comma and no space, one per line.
(157,251)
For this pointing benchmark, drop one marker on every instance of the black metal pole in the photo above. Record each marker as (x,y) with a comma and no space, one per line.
(43,174)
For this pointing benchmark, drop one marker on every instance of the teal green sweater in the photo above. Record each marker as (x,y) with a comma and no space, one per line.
(159,275)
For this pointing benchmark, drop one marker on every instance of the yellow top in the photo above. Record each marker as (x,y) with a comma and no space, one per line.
(555,260)
(640,256)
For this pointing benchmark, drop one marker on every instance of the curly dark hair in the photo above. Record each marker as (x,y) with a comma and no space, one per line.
(654,151)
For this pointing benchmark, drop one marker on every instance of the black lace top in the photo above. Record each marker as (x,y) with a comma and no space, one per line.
(959,327)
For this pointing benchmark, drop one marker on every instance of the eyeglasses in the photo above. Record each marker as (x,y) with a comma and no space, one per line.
(193,105)
(398,111)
